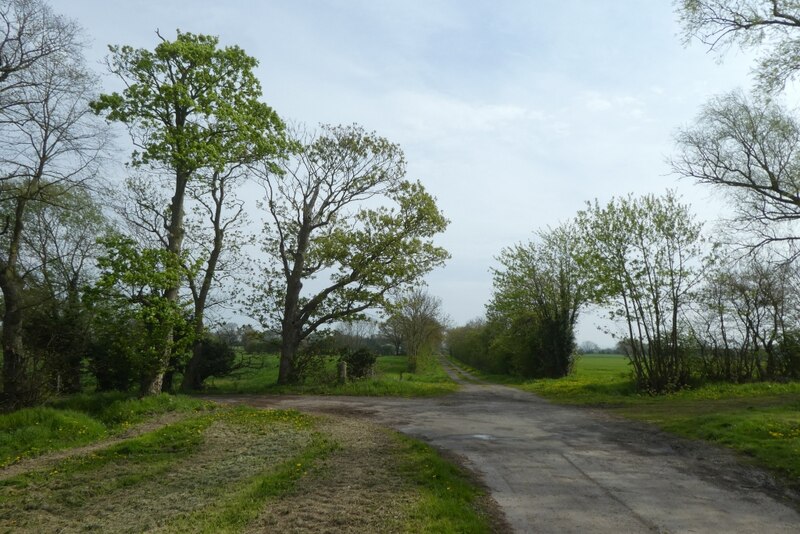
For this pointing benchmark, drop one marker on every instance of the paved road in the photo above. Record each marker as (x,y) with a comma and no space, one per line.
(561,469)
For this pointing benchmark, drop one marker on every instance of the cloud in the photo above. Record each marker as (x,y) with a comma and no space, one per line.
(436,116)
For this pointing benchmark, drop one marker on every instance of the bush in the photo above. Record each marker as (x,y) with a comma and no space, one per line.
(359,362)
(114,369)
(217,359)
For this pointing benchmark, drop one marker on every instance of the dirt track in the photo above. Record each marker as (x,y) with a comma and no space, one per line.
(561,469)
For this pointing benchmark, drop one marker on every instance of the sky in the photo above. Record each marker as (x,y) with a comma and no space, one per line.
(512,113)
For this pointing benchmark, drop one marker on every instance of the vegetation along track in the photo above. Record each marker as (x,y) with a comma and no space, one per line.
(563,469)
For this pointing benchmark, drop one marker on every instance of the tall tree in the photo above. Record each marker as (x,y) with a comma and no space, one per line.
(421,323)
(328,218)
(772,25)
(49,145)
(539,291)
(30,33)
(644,257)
(216,244)
(189,106)
(749,150)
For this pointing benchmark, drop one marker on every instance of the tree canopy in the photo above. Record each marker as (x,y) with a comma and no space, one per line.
(771,25)
(190,106)
(341,209)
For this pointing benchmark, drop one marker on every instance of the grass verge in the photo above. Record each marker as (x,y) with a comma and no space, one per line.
(391,379)
(449,502)
(80,420)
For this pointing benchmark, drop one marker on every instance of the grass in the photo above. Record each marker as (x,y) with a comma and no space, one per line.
(448,500)
(391,379)
(33,431)
(207,469)
(118,410)
(242,505)
(221,468)
(760,420)
(80,420)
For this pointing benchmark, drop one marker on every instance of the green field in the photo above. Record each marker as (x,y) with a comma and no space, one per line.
(391,379)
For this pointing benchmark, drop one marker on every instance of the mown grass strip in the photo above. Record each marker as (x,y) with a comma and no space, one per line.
(180,461)
(239,506)
(448,499)
(157,449)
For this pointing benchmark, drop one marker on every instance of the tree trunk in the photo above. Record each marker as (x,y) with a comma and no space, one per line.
(13,351)
(289,345)
(152,384)
(192,380)
(166,383)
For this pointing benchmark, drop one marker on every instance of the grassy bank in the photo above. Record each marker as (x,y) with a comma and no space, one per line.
(391,379)
(81,420)
(211,468)
(759,420)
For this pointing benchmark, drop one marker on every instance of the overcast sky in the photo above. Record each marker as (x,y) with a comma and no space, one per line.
(512,113)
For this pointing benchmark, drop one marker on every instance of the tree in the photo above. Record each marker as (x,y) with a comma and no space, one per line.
(772,24)
(189,106)
(49,145)
(31,35)
(133,313)
(644,259)
(355,335)
(329,218)
(61,245)
(538,293)
(471,344)
(745,322)
(421,323)
(751,151)
(589,347)
(392,330)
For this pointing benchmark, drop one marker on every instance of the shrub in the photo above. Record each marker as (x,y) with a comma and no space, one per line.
(359,362)
(218,359)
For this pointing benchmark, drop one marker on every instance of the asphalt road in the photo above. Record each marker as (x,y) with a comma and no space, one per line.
(563,469)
